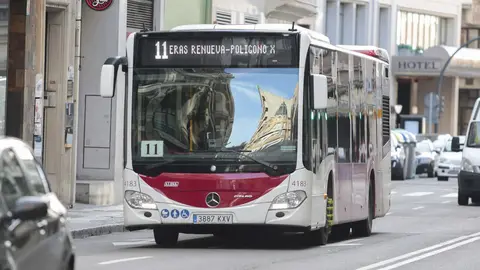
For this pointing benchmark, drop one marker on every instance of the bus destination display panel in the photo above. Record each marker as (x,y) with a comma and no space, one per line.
(182,50)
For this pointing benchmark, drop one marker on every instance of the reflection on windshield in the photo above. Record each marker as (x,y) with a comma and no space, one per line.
(194,112)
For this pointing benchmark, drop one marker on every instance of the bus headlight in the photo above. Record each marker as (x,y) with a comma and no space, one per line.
(288,200)
(139,200)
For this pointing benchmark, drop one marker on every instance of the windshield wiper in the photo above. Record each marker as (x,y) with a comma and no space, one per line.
(239,152)
(242,153)
(158,164)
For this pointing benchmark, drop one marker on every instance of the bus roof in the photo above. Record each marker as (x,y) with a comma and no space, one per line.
(373,51)
(275,28)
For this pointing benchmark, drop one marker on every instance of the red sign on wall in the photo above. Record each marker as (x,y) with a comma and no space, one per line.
(99,5)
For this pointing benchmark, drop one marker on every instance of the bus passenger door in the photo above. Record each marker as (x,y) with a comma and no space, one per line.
(320,174)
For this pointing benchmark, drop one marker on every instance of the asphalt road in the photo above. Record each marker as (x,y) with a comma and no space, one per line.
(425,229)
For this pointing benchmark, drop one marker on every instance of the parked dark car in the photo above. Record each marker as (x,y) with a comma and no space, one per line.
(33,233)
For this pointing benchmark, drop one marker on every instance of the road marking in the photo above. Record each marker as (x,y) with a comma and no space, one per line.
(446,201)
(431,253)
(351,241)
(133,243)
(125,260)
(418,208)
(417,194)
(393,192)
(389,213)
(417,252)
(345,243)
(450,195)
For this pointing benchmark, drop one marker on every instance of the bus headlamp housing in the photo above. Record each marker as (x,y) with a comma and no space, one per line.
(468,167)
(139,200)
(288,200)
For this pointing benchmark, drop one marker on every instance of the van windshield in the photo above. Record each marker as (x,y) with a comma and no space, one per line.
(474,135)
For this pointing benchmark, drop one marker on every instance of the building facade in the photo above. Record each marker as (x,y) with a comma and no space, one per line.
(469,88)
(104,32)
(38,70)
(4,19)
(424,39)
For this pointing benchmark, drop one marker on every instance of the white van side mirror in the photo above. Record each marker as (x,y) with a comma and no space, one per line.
(107,81)
(320,92)
(108,75)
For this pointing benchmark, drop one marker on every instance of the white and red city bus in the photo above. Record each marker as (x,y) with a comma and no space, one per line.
(251,127)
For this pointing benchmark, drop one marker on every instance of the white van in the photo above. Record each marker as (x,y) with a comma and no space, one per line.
(468,183)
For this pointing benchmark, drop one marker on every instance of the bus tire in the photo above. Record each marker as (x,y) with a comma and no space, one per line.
(317,237)
(164,237)
(363,228)
(340,232)
(462,199)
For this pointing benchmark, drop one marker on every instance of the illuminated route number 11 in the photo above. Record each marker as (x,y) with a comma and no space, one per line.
(159,48)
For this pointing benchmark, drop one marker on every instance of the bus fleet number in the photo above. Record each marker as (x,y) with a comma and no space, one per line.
(129,184)
(298,183)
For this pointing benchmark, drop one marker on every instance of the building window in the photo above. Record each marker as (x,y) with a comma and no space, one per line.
(417,32)
(469,33)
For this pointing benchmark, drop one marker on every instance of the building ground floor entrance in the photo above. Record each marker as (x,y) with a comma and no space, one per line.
(417,77)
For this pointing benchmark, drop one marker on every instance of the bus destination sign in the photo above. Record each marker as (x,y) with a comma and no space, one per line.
(220,51)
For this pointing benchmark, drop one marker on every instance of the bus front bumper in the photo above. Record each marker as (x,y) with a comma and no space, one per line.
(207,220)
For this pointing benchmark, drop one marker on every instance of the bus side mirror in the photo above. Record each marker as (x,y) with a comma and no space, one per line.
(108,75)
(456,144)
(320,92)
(107,81)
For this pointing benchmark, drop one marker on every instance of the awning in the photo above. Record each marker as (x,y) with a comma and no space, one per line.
(404,136)
(466,63)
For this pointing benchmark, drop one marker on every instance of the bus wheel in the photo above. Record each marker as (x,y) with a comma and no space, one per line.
(364,228)
(340,232)
(165,238)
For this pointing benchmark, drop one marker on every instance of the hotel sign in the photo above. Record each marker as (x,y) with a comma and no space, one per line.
(416,65)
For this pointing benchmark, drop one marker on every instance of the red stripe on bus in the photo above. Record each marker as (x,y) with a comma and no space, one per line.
(233,188)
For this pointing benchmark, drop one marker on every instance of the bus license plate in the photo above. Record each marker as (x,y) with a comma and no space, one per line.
(212,219)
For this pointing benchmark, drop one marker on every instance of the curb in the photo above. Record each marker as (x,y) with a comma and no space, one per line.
(97,231)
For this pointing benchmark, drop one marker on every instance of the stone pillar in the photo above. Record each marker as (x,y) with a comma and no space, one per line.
(25,60)
(475,12)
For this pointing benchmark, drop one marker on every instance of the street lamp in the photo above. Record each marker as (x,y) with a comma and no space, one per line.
(398,110)
(440,78)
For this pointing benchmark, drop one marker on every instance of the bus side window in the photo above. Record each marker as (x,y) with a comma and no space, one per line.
(344,112)
(328,61)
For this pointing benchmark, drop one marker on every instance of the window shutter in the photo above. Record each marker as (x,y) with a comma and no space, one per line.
(223,17)
(140,12)
(250,20)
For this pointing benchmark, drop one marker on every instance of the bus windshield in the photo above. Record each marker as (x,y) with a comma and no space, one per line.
(215,115)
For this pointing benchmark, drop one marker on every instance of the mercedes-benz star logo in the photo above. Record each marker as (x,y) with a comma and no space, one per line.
(212,199)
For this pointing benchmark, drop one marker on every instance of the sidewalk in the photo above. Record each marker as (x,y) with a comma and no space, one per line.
(85,220)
